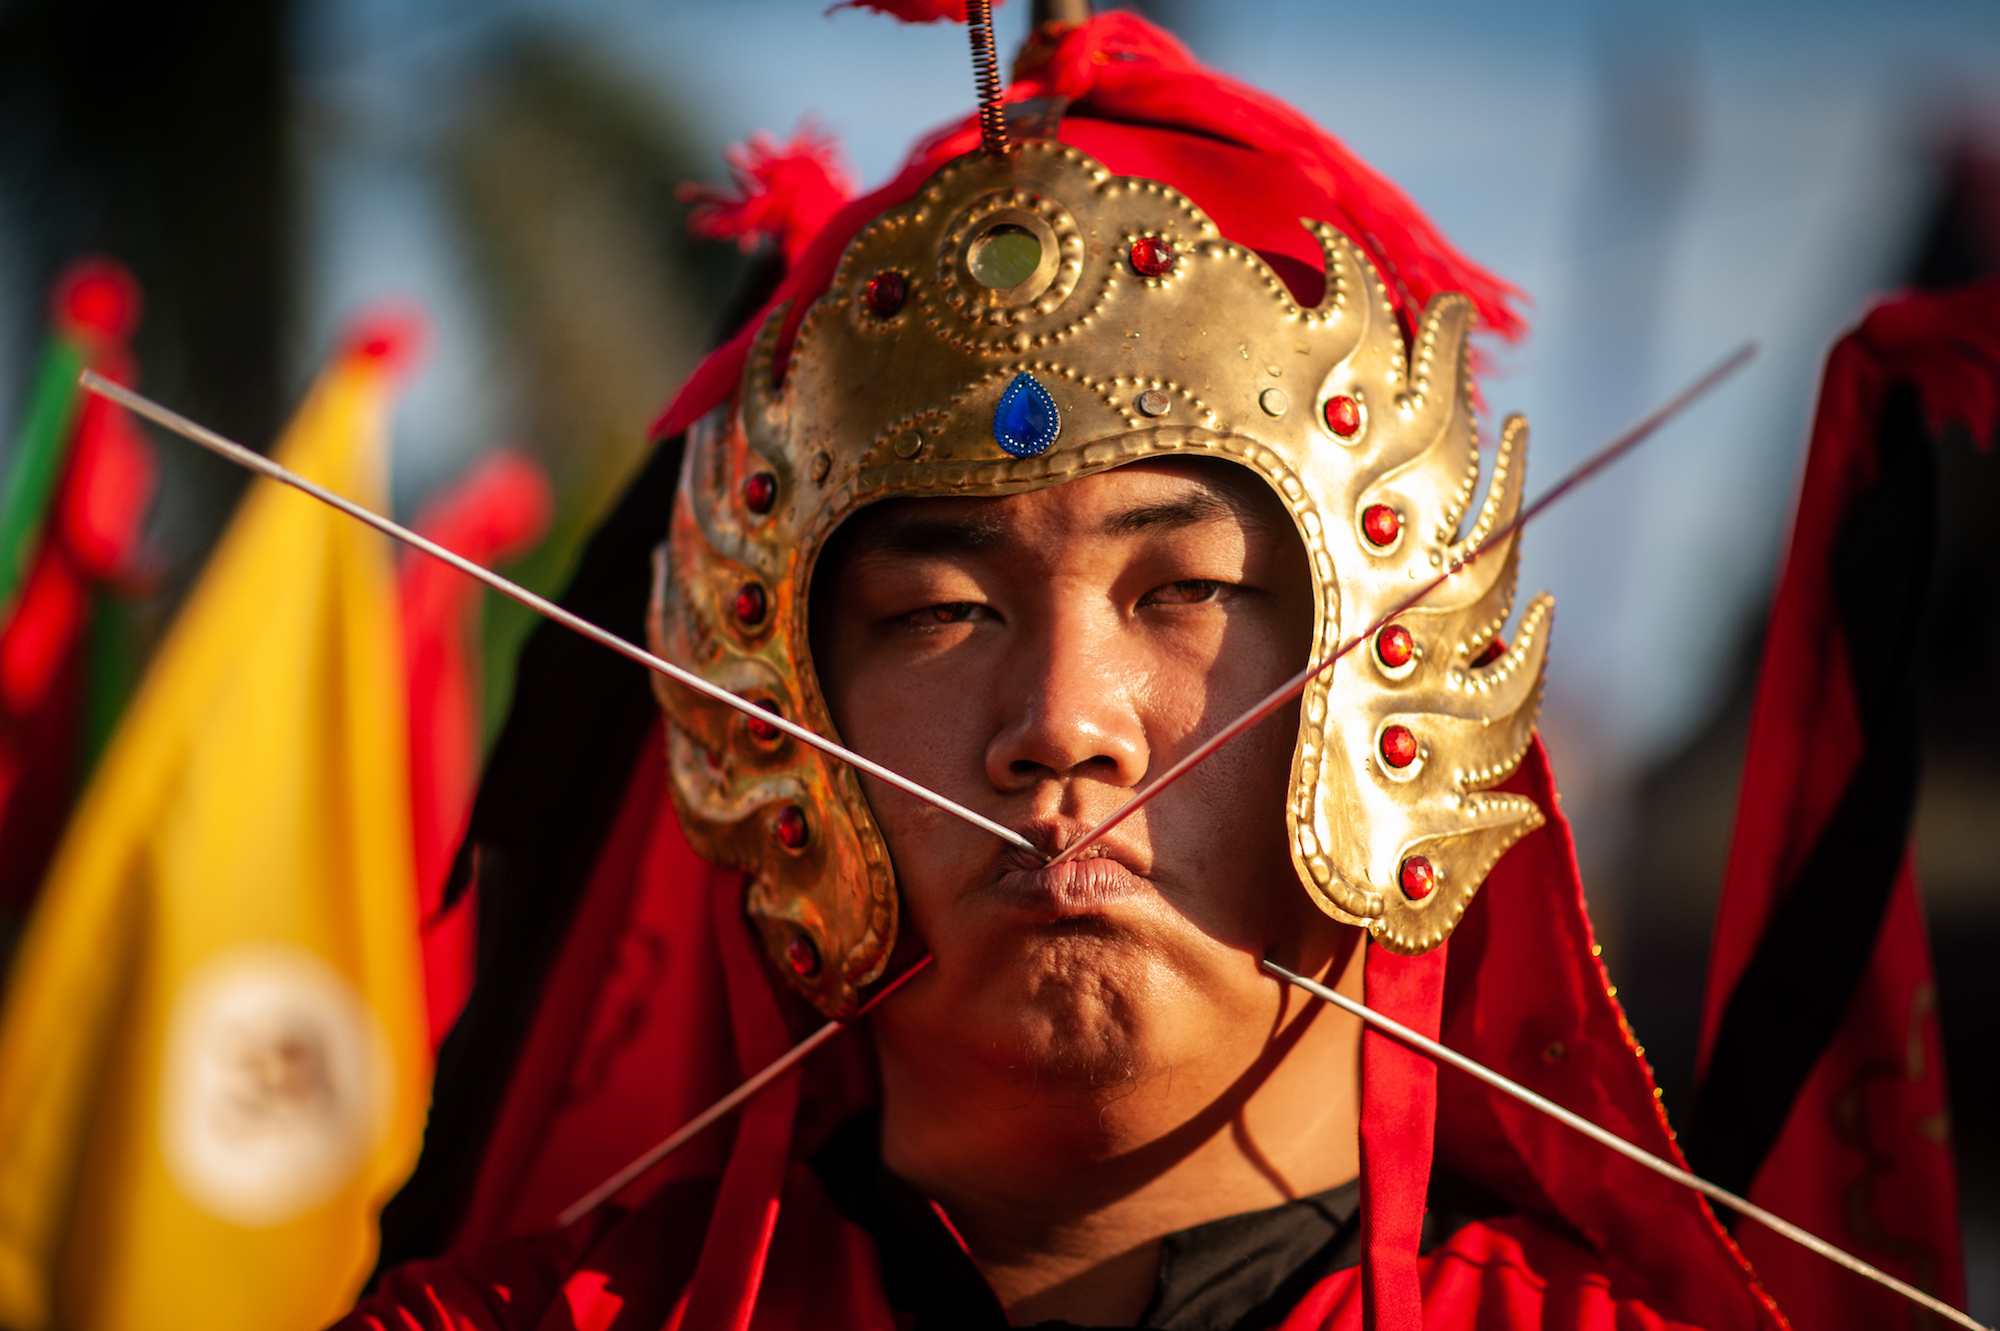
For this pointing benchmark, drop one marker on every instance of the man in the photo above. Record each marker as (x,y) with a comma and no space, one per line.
(1052,649)
(1043,464)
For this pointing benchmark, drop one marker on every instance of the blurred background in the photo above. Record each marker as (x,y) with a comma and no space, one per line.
(1662,180)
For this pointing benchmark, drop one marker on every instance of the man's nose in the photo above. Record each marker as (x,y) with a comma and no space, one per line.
(1072,710)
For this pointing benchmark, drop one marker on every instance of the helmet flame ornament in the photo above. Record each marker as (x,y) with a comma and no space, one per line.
(1397,750)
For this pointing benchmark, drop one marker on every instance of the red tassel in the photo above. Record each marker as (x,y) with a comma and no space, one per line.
(782,192)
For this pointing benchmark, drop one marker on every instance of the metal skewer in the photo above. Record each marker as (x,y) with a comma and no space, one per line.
(263,466)
(693,1128)
(1634,1153)
(1296,685)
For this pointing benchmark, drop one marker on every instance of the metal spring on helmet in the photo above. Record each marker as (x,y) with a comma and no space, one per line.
(986,75)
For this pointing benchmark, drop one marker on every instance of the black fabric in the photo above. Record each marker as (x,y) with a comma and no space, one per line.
(549,790)
(1251,1270)
(1814,951)
(1239,1273)
(579,715)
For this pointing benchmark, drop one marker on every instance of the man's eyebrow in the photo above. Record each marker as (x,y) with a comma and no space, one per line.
(913,534)
(1201,506)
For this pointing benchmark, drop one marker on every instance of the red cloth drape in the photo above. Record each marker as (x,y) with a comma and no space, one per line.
(496,512)
(1863,1158)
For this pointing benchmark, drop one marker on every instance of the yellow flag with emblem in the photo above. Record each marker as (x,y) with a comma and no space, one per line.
(213,1061)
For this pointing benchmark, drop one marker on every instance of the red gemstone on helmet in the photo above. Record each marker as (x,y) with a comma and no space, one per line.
(1380,524)
(1417,878)
(763,731)
(748,604)
(1152,256)
(1399,746)
(791,828)
(760,491)
(885,293)
(802,956)
(1394,646)
(1343,415)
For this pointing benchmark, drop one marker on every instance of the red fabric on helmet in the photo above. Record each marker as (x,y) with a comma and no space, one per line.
(782,192)
(1143,106)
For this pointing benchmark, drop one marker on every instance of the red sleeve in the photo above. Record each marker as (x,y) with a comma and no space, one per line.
(1507,1274)
(506,1286)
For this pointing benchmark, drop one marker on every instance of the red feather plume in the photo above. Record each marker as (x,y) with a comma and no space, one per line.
(780,192)
(1134,90)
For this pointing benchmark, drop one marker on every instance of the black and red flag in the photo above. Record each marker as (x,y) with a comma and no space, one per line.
(1821,1085)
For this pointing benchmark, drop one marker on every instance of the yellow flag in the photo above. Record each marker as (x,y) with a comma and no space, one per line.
(213,1062)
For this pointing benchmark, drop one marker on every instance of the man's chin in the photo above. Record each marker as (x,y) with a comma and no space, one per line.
(1068,1012)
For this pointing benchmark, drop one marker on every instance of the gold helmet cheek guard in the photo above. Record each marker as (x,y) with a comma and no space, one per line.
(1200,351)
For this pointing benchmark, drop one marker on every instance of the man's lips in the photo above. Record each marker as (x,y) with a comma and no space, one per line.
(1066,891)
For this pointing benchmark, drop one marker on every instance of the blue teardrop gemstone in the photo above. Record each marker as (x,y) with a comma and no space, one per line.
(1026,422)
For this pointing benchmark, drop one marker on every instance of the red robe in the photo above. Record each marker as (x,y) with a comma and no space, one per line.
(660,1002)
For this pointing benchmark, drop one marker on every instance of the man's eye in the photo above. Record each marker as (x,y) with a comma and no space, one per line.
(951,612)
(1189,591)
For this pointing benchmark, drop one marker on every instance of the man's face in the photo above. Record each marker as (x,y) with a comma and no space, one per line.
(1038,657)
